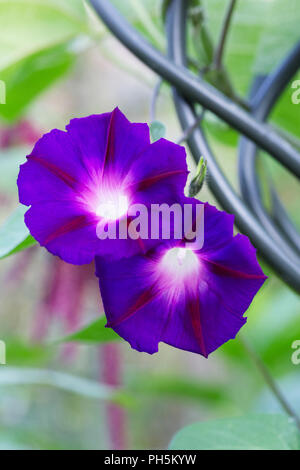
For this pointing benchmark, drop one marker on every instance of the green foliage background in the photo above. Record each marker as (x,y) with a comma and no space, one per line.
(50,404)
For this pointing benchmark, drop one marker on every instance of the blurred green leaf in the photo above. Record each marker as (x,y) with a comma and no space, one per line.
(273,325)
(242,43)
(11,443)
(146,18)
(26,79)
(157,130)
(261,33)
(19,353)
(30,26)
(256,432)
(248,23)
(285,113)
(280,33)
(94,333)
(170,386)
(164,8)
(220,130)
(70,383)
(274,332)
(10,161)
(14,235)
(266,402)
(21,439)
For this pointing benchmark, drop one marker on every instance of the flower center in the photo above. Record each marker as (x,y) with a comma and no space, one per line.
(112,205)
(179,263)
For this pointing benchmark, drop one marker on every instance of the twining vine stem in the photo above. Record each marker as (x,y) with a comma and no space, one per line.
(270,381)
(186,134)
(154,99)
(218,57)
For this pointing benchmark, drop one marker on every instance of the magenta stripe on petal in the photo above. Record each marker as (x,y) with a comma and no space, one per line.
(109,151)
(68,179)
(74,224)
(193,309)
(73,174)
(197,306)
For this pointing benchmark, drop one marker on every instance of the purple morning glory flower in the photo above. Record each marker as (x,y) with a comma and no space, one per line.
(103,159)
(192,300)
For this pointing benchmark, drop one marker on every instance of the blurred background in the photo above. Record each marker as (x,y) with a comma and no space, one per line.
(58,62)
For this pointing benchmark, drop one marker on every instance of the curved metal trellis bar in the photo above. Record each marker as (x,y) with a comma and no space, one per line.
(188,89)
(288,269)
(197,90)
(283,221)
(263,98)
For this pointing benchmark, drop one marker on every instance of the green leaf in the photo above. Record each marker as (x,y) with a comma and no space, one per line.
(181,388)
(70,383)
(270,333)
(94,333)
(281,32)
(286,113)
(25,437)
(260,35)
(274,333)
(164,8)
(219,130)
(157,130)
(19,353)
(254,432)
(30,76)
(10,161)
(248,24)
(144,16)
(14,235)
(30,26)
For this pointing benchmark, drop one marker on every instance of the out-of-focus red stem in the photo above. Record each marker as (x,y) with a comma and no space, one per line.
(71,301)
(18,271)
(111,367)
(24,132)
(46,306)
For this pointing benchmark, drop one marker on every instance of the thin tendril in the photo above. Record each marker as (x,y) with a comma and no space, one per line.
(270,381)
(191,129)
(223,36)
(154,99)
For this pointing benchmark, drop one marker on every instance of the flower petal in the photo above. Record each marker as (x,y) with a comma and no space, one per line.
(218,227)
(108,140)
(197,313)
(201,323)
(70,234)
(125,284)
(53,170)
(160,172)
(233,273)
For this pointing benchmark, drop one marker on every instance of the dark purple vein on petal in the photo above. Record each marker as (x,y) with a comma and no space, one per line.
(193,308)
(221,269)
(110,149)
(74,224)
(145,298)
(61,174)
(221,300)
(147,182)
